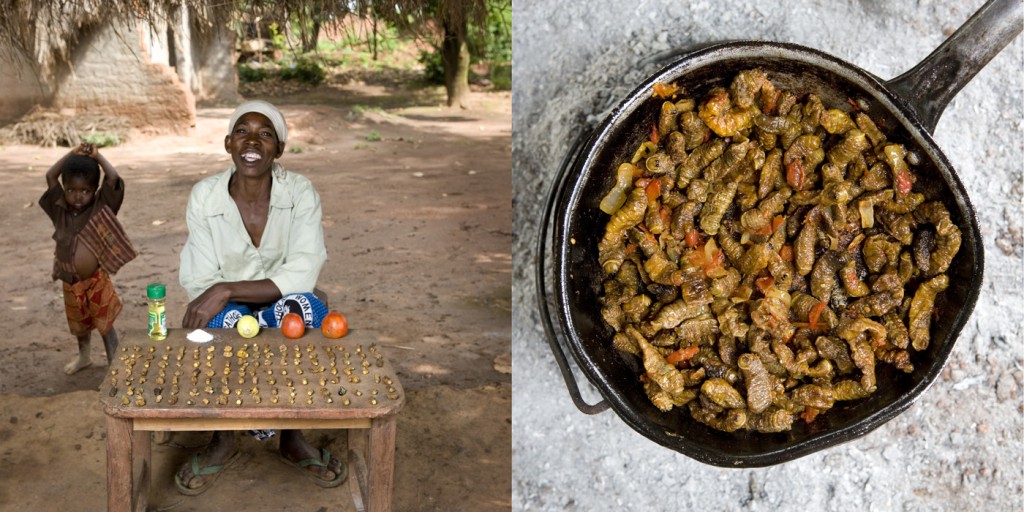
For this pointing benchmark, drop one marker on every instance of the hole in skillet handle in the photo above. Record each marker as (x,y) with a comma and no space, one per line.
(579,225)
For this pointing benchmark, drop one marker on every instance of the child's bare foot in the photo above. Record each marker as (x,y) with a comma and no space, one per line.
(77,364)
(83,360)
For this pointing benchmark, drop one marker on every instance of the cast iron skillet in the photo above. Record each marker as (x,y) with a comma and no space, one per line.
(907,108)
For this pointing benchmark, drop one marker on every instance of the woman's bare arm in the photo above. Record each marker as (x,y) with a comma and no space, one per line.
(207,305)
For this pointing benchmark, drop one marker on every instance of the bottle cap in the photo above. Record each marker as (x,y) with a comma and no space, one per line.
(156,291)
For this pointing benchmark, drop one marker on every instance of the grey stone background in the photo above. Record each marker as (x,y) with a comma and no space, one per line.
(958,448)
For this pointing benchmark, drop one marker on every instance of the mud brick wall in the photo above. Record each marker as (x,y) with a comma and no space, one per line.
(114,73)
(21,89)
(128,71)
(207,64)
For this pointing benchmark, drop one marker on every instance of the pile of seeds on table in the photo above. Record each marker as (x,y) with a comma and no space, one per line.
(253,374)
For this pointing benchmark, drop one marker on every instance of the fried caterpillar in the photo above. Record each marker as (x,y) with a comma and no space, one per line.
(768,253)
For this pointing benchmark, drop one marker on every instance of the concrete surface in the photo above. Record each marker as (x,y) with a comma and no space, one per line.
(958,448)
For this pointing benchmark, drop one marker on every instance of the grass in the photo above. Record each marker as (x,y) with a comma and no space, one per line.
(358,111)
(102,139)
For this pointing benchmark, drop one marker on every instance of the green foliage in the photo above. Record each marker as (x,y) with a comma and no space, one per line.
(358,111)
(248,74)
(351,51)
(501,76)
(490,43)
(433,66)
(374,136)
(277,38)
(493,41)
(102,139)
(305,70)
(387,39)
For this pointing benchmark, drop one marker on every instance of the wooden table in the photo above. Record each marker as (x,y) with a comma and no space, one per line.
(233,383)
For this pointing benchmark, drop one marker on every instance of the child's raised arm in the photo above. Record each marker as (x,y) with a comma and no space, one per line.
(54,172)
(110,175)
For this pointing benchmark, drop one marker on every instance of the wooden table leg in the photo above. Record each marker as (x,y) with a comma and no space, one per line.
(381,463)
(119,464)
(142,452)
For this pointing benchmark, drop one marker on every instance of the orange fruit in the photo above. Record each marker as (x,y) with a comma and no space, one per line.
(334,325)
(292,326)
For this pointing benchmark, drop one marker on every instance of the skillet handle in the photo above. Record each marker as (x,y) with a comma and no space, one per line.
(554,336)
(930,85)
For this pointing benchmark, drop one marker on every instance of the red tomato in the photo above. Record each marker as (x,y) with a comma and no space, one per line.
(904,182)
(334,325)
(692,238)
(815,315)
(683,354)
(795,174)
(292,326)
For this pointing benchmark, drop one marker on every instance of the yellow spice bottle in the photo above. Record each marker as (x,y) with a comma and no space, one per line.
(155,298)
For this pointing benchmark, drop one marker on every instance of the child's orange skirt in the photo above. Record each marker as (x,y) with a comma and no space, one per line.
(91,304)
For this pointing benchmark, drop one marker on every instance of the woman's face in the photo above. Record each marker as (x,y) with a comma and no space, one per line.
(253,144)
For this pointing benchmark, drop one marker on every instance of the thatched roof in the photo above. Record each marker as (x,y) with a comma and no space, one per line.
(47,32)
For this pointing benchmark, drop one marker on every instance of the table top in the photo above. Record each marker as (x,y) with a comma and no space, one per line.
(267,376)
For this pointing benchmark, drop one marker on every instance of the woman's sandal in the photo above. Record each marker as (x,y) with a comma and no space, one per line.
(323,462)
(213,472)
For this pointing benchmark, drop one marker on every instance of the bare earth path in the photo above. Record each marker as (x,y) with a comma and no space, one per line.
(417,217)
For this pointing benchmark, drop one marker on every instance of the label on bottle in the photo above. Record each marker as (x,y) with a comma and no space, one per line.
(157,320)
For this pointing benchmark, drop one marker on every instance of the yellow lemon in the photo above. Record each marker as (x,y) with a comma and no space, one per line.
(248,326)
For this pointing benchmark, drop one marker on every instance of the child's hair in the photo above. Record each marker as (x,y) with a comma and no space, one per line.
(78,166)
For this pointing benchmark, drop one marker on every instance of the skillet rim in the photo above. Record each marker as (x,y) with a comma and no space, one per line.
(583,169)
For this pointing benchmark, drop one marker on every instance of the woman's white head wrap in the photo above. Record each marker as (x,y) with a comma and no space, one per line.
(262,107)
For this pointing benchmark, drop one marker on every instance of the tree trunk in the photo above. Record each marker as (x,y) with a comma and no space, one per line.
(310,39)
(374,14)
(455,58)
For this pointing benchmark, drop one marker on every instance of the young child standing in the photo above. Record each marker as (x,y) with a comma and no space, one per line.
(91,245)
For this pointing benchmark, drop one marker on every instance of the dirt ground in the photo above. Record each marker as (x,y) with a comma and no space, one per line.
(417,217)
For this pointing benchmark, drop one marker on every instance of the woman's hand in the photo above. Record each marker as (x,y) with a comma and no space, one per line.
(211,302)
(206,306)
